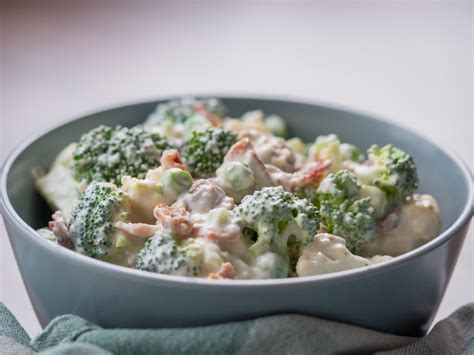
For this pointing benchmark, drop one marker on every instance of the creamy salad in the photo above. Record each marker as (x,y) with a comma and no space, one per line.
(194,192)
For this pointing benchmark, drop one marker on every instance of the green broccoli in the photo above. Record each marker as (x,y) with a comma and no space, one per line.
(165,254)
(92,223)
(180,110)
(282,222)
(396,173)
(107,154)
(343,212)
(204,152)
(161,254)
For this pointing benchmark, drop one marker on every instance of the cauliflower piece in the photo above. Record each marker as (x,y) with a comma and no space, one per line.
(161,185)
(330,148)
(416,223)
(209,209)
(271,150)
(59,187)
(328,253)
(204,196)
(249,120)
(217,224)
(299,149)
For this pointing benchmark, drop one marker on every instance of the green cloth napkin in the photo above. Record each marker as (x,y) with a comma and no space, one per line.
(281,334)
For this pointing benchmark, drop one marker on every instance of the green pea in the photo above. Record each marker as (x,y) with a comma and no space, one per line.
(277,126)
(238,176)
(177,180)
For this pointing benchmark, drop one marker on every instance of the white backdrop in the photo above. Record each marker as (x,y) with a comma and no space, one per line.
(409,62)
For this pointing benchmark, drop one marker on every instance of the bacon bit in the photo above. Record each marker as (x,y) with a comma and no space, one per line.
(141,230)
(213,276)
(178,220)
(203,231)
(60,229)
(171,159)
(226,271)
(216,121)
(239,147)
(310,173)
(389,222)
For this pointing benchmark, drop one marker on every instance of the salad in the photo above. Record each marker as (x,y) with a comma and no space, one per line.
(194,192)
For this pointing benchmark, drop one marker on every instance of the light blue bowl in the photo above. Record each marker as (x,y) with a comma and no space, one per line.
(398,296)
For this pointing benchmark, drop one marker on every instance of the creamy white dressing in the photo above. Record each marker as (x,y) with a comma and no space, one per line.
(217,224)
(280,177)
(198,214)
(144,195)
(204,196)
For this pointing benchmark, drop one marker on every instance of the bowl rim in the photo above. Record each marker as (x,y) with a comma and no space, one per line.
(71,256)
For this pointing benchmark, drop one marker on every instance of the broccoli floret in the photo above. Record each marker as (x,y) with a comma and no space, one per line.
(204,152)
(107,154)
(343,212)
(396,173)
(165,254)
(161,254)
(180,110)
(277,217)
(91,226)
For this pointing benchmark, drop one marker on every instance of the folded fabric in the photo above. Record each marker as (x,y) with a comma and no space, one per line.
(280,334)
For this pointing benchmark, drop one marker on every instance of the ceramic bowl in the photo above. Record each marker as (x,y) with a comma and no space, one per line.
(398,296)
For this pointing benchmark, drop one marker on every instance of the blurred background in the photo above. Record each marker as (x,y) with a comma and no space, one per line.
(405,61)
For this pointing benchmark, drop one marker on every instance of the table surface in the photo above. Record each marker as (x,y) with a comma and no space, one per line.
(410,62)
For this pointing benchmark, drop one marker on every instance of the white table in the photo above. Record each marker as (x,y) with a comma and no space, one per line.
(408,62)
